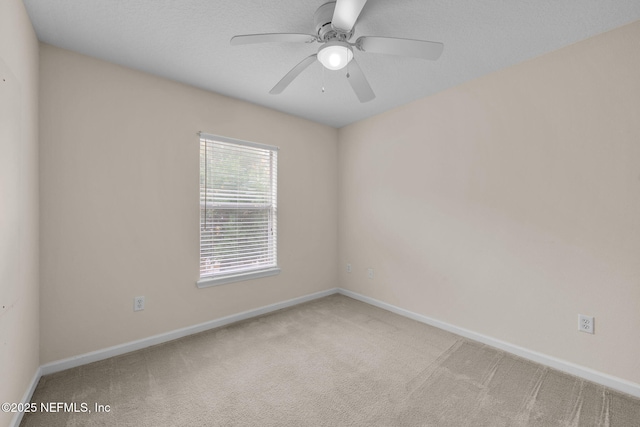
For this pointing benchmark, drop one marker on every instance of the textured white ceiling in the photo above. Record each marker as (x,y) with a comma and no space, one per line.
(188,41)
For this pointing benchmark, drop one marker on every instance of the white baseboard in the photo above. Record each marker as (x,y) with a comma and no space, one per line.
(17,418)
(561,365)
(94,356)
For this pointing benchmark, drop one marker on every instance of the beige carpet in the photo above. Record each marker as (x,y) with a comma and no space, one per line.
(330,362)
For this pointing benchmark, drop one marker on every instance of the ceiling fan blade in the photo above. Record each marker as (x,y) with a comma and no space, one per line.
(288,78)
(273,37)
(346,14)
(404,47)
(359,82)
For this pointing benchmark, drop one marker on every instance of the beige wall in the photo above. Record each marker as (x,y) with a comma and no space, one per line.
(18,203)
(510,204)
(119,200)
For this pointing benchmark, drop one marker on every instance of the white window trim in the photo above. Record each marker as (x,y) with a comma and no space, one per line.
(209,281)
(237,141)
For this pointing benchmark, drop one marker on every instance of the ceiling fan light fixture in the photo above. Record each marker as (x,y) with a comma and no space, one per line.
(335,55)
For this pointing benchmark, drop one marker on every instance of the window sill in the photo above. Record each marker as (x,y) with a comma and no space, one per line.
(206,282)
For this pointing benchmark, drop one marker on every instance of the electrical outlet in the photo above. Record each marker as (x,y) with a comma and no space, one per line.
(348,268)
(370,273)
(138,303)
(585,323)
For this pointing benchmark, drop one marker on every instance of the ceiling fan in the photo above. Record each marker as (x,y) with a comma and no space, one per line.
(335,23)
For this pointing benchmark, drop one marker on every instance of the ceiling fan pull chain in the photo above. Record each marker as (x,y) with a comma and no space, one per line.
(348,75)
(322,79)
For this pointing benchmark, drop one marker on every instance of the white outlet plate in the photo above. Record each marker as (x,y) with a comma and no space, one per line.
(138,303)
(348,268)
(370,273)
(585,323)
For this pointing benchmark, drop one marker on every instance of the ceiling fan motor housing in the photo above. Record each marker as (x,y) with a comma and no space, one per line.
(322,20)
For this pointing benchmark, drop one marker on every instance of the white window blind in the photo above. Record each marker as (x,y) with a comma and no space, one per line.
(238,206)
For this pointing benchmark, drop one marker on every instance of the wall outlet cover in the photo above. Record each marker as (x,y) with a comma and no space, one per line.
(138,303)
(585,323)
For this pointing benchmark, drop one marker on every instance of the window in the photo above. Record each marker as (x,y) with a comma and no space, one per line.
(238,210)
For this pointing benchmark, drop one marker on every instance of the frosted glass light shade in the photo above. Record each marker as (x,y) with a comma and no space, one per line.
(335,55)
